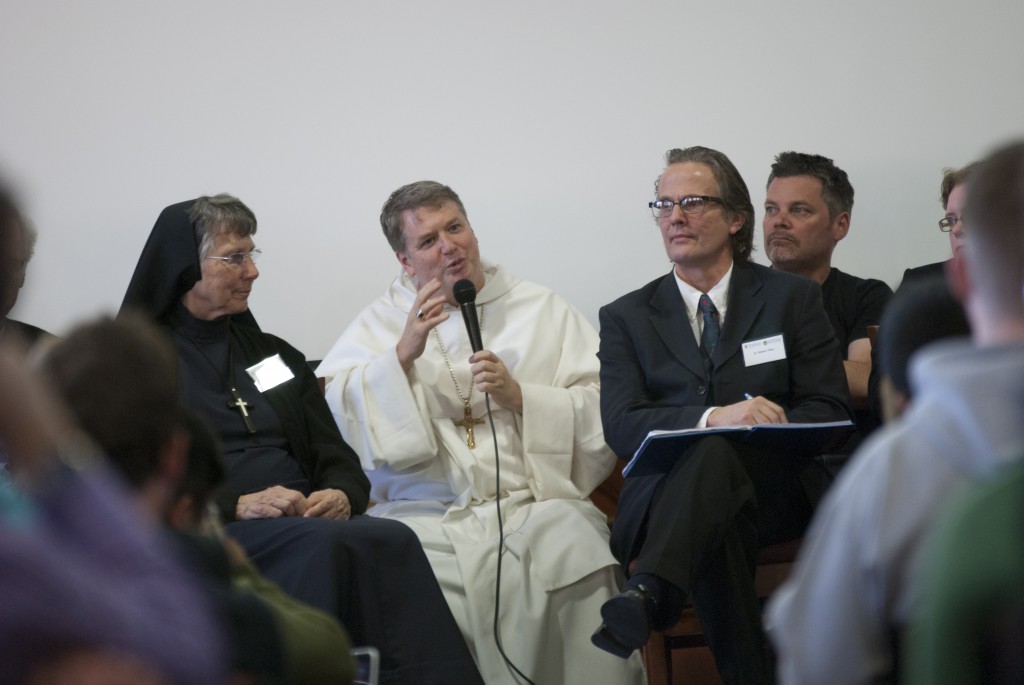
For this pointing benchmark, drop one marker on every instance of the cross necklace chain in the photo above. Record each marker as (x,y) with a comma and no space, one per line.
(237,402)
(467,420)
(243,408)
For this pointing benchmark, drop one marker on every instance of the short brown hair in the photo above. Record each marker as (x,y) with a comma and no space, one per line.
(119,378)
(995,224)
(412,196)
(836,190)
(951,178)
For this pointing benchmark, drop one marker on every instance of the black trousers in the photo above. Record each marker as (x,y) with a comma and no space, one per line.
(706,520)
(373,575)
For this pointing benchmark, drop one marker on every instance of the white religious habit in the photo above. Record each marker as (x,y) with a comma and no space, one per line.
(411,433)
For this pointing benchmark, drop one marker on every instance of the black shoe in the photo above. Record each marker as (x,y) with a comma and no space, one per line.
(627,621)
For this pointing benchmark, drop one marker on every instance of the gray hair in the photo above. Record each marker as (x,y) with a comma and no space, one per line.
(731,188)
(221,213)
(412,196)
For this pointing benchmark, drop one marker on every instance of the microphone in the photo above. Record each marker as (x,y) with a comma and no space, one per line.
(465,294)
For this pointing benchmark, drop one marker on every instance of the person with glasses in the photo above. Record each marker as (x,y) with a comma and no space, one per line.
(846,611)
(717,341)
(953,194)
(807,211)
(294,490)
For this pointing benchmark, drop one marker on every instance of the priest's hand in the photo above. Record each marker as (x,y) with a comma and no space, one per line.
(490,375)
(329,504)
(427,311)
(750,412)
(271,503)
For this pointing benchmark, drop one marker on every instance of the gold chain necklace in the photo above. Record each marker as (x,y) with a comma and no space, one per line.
(467,420)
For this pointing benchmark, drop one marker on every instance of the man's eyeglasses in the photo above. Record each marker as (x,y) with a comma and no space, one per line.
(947,223)
(237,260)
(691,204)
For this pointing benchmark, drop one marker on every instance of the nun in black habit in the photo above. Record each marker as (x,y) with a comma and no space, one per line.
(294,488)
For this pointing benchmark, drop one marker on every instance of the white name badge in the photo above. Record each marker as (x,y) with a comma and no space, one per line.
(770,349)
(269,373)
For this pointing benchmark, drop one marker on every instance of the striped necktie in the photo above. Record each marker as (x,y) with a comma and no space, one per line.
(712,329)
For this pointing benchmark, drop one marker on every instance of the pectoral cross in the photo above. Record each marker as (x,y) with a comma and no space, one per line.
(242,406)
(468,422)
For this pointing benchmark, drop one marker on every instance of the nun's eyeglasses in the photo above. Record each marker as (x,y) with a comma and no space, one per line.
(237,260)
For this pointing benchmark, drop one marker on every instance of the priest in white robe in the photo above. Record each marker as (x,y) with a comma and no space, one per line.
(408,393)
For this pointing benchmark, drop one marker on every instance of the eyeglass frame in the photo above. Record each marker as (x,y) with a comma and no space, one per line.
(236,260)
(657,206)
(947,222)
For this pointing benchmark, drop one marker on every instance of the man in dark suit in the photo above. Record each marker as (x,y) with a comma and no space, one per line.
(719,341)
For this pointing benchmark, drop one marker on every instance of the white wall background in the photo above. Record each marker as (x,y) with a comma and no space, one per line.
(549,117)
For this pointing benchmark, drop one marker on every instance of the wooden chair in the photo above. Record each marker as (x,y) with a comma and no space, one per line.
(606,496)
(873,334)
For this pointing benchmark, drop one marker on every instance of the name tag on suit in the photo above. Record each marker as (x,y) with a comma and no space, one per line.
(764,350)
(269,373)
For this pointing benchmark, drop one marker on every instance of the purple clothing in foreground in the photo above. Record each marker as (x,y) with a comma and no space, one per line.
(87,572)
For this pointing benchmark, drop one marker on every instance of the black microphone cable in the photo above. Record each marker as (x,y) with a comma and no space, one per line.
(464,292)
(501,545)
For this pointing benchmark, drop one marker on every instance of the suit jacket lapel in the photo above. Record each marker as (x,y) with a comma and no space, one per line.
(670,320)
(745,304)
